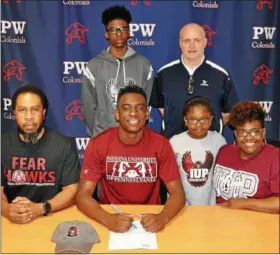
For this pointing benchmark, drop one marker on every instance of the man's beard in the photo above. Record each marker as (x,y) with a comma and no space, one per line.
(31,138)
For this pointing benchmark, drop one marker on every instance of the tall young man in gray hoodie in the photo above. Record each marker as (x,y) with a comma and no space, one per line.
(114,68)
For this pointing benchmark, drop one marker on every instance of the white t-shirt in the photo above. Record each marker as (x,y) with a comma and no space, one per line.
(196,158)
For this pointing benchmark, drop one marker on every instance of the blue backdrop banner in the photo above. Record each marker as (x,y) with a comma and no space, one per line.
(48,43)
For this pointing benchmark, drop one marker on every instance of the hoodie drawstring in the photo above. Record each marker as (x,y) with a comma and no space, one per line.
(124,74)
(116,79)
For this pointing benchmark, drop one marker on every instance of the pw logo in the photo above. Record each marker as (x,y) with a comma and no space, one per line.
(261,73)
(76,31)
(262,3)
(16,26)
(79,66)
(266,105)
(7,110)
(135,2)
(268,32)
(209,34)
(146,30)
(7,103)
(13,68)
(82,143)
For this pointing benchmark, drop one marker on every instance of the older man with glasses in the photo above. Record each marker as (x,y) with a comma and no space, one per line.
(192,75)
(114,68)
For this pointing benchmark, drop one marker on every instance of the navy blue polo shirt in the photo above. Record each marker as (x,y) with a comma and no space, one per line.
(170,91)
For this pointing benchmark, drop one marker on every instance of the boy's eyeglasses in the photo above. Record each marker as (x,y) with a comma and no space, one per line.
(191,85)
(254,132)
(115,30)
(194,121)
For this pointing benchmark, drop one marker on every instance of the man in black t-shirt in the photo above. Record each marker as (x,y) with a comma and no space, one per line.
(39,167)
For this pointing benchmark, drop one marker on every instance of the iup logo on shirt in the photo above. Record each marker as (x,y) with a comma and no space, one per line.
(261,73)
(197,172)
(209,34)
(230,183)
(73,109)
(73,71)
(76,31)
(135,2)
(131,169)
(13,68)
(262,3)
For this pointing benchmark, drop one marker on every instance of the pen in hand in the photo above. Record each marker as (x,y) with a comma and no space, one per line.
(119,212)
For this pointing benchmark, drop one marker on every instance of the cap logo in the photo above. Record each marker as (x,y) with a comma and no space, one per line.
(73,231)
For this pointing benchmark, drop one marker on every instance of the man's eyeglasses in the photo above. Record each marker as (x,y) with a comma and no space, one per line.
(253,132)
(191,85)
(115,30)
(202,121)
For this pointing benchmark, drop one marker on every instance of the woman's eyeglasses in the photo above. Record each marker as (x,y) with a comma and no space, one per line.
(253,132)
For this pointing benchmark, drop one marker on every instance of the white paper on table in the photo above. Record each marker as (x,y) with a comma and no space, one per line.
(134,238)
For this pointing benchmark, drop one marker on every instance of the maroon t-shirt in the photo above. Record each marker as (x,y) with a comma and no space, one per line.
(129,174)
(257,177)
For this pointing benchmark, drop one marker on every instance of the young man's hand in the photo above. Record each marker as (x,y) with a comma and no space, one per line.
(153,222)
(118,222)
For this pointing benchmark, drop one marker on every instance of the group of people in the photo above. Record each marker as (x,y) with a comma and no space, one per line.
(127,161)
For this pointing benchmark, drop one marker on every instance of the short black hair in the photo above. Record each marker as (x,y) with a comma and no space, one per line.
(116,12)
(30,88)
(246,112)
(198,100)
(135,89)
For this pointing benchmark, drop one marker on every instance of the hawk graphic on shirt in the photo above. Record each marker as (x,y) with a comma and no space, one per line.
(112,90)
(197,172)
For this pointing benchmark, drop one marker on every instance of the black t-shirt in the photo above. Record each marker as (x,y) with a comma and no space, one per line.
(38,171)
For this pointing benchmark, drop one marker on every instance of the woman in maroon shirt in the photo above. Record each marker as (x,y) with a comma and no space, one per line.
(246,174)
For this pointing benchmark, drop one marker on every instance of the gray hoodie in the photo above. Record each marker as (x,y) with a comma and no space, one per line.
(103,78)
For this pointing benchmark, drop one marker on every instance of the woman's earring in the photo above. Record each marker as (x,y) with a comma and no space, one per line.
(234,143)
(264,141)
